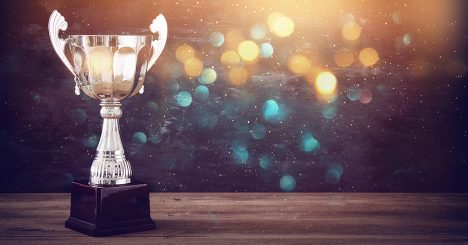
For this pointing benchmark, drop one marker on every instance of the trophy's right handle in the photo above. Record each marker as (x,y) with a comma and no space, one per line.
(158,25)
(56,23)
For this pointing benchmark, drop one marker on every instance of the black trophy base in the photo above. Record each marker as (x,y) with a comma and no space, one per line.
(109,210)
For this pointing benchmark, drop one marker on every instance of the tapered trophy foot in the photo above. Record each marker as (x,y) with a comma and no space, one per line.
(109,210)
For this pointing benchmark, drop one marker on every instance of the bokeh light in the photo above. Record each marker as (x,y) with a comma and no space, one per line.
(238,76)
(91,141)
(368,56)
(201,92)
(152,106)
(344,58)
(193,67)
(299,64)
(353,93)
(365,96)
(329,111)
(184,98)
(184,53)
(239,149)
(280,25)
(139,137)
(258,31)
(216,39)
(270,109)
(334,173)
(79,115)
(325,83)
(266,50)
(406,39)
(351,31)
(266,161)
(248,50)
(309,143)
(207,76)
(258,131)
(287,183)
(230,58)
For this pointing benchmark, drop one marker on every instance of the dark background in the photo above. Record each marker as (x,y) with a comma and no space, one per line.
(412,136)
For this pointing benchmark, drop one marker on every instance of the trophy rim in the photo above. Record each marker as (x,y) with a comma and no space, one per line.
(110,35)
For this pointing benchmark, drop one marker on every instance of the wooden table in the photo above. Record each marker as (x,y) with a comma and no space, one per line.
(255,218)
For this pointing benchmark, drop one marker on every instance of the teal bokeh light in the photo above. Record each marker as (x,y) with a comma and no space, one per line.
(139,137)
(353,93)
(79,115)
(270,110)
(334,173)
(258,131)
(184,98)
(329,111)
(201,92)
(287,183)
(266,50)
(309,143)
(207,76)
(92,141)
(265,161)
(152,106)
(216,39)
(240,152)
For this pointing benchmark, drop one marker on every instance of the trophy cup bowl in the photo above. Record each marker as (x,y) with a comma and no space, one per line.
(109,68)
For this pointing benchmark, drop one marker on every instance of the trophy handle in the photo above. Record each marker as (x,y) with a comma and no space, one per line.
(56,23)
(158,25)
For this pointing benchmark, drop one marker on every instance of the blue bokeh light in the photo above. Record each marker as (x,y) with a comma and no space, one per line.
(184,98)
(353,93)
(266,50)
(139,137)
(287,183)
(265,161)
(309,143)
(270,109)
(201,92)
(216,39)
(258,131)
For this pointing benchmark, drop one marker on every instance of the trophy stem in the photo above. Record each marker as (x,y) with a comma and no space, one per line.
(110,166)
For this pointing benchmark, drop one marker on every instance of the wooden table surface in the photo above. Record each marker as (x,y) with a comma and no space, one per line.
(255,218)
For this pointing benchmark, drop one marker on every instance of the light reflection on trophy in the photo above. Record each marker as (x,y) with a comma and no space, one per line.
(109,68)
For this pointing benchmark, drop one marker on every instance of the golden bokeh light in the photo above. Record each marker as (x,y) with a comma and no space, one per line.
(193,67)
(299,64)
(344,58)
(368,56)
(280,25)
(230,58)
(248,50)
(351,31)
(238,76)
(184,52)
(325,83)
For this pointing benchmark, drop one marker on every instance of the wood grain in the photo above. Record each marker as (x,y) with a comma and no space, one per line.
(256,218)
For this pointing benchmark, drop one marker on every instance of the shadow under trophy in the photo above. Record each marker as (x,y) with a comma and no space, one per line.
(109,68)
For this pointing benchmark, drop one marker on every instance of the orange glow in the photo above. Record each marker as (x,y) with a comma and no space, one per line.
(368,56)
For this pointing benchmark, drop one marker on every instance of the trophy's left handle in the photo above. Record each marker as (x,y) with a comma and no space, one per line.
(56,23)
(158,25)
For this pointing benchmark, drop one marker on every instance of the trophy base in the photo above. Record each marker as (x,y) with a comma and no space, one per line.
(109,210)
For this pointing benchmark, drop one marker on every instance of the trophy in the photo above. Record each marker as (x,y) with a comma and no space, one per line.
(109,68)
